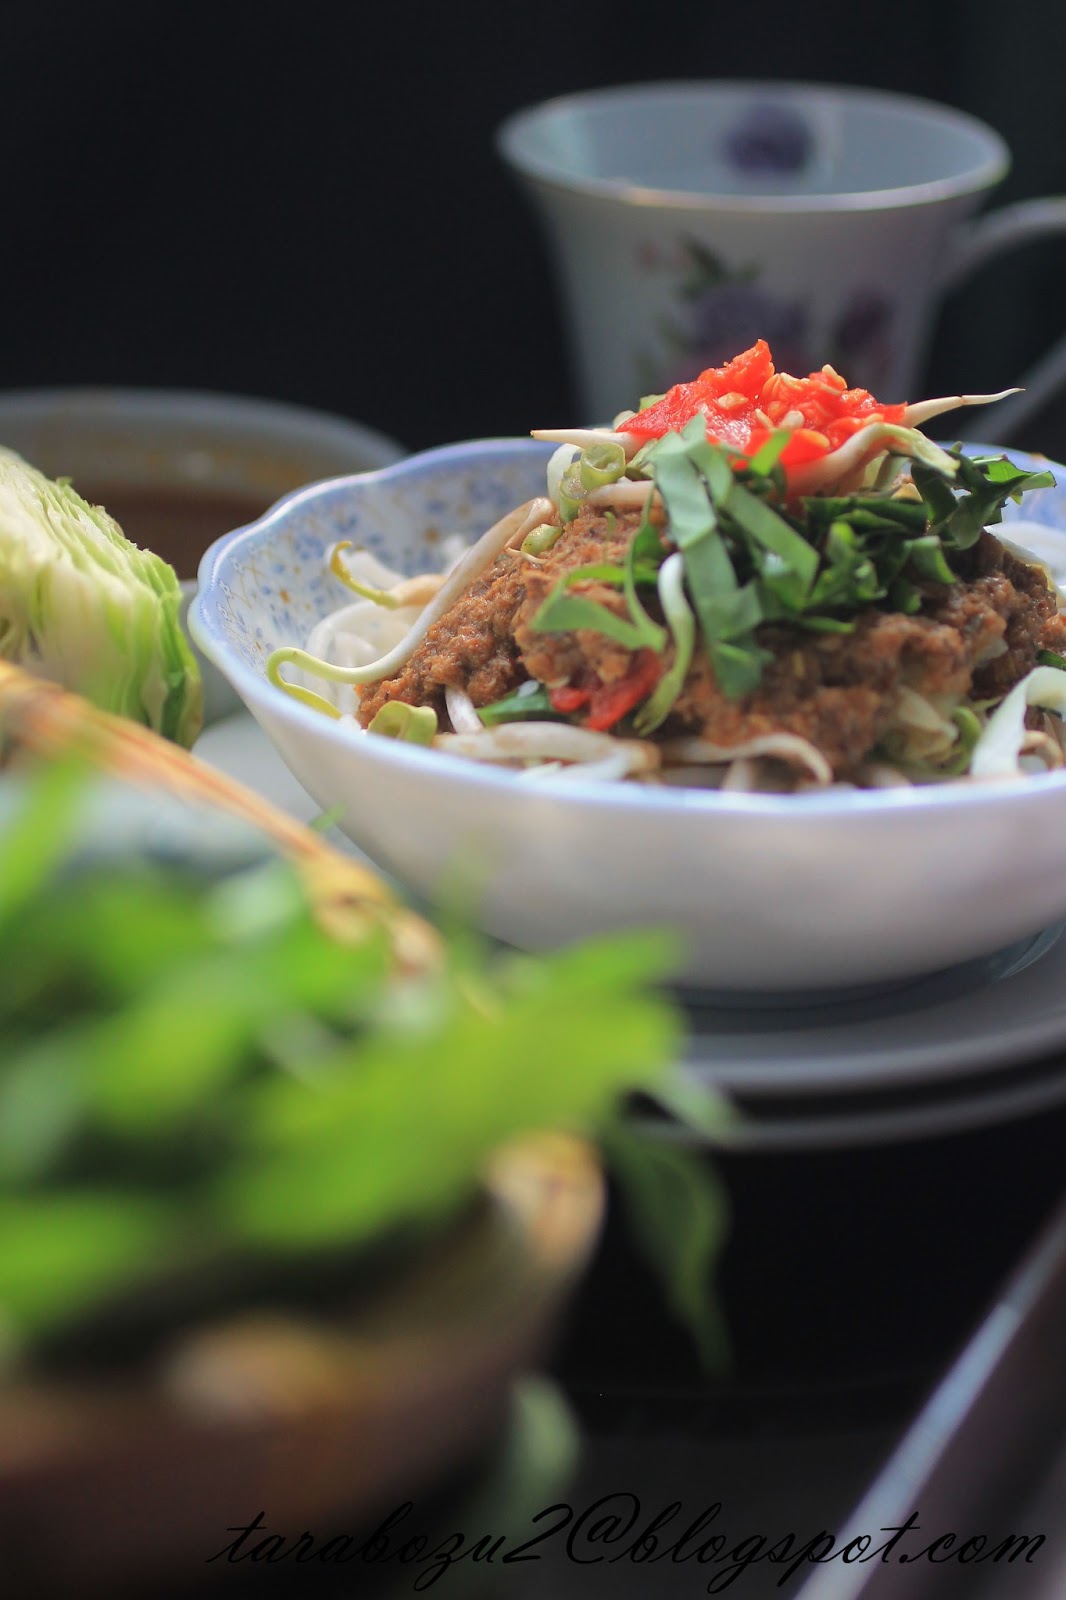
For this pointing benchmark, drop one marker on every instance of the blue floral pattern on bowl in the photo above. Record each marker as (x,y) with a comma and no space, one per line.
(268,584)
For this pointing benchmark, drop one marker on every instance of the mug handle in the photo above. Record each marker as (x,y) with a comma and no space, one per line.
(978,242)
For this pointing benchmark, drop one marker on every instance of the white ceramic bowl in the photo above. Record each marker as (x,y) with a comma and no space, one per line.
(768,892)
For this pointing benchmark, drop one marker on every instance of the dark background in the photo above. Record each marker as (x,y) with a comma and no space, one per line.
(306,202)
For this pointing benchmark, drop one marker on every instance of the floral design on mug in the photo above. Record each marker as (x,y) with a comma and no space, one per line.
(769,140)
(862,339)
(722,311)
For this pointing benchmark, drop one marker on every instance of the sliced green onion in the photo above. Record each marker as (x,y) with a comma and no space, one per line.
(601,463)
(412,724)
(970,728)
(682,623)
(380,597)
(1051,658)
(540,540)
(572,492)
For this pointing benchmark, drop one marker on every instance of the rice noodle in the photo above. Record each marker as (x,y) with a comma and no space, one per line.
(915,710)
(550,741)
(461,711)
(628,493)
(1038,742)
(879,775)
(419,590)
(510,529)
(352,637)
(690,777)
(787,747)
(996,753)
(742,776)
(611,769)
(921,730)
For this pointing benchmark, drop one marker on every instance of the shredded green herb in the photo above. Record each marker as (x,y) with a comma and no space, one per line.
(563,611)
(518,706)
(752,556)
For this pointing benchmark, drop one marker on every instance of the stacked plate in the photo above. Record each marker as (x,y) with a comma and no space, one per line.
(979,1044)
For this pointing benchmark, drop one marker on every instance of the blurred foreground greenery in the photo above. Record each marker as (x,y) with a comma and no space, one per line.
(204,1096)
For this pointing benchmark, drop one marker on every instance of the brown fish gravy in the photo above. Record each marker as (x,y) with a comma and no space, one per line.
(177,522)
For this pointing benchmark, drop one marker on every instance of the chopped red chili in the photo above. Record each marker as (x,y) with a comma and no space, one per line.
(608,703)
(567,700)
(746,401)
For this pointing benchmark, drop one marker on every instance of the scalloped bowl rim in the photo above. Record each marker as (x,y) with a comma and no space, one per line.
(253,687)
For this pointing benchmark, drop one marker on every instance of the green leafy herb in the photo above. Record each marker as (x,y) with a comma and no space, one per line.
(683,629)
(518,706)
(753,556)
(681,1218)
(696,483)
(563,612)
(987,482)
(200,1090)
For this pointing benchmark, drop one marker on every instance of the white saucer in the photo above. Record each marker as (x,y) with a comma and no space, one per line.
(875,1124)
(939,1055)
(1006,1008)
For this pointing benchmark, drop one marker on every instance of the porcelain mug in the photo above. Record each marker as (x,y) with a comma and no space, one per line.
(688,220)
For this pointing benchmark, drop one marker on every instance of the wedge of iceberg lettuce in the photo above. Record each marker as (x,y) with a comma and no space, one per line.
(82,606)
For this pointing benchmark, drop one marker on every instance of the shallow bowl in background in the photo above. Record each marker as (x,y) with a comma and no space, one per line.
(178,468)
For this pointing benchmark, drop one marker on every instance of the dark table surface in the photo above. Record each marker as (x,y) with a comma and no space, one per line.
(851,1280)
(850,1286)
